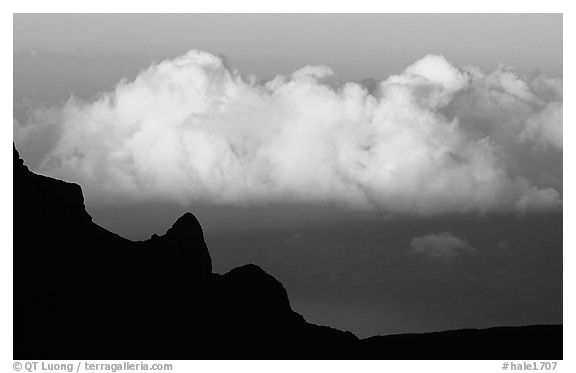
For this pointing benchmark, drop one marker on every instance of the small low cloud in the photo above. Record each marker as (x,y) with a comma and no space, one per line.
(444,246)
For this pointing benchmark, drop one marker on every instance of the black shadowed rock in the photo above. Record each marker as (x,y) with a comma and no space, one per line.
(185,241)
(187,227)
(251,284)
(82,292)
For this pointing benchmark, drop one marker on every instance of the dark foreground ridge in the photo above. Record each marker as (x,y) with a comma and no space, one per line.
(82,292)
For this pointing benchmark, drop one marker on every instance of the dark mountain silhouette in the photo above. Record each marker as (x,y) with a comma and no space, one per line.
(82,292)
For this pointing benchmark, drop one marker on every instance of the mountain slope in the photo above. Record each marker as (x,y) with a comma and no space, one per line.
(82,292)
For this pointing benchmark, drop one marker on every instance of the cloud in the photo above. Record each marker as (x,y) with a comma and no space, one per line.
(444,246)
(434,139)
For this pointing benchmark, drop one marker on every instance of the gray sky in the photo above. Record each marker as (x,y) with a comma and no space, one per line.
(356,46)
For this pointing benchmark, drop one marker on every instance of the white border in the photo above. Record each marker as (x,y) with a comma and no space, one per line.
(261,6)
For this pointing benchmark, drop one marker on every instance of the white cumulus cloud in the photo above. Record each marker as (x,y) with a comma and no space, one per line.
(436,138)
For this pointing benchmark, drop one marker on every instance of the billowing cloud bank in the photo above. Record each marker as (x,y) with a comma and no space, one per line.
(434,139)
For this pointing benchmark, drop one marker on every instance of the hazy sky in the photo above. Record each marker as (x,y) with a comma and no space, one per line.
(391,170)
(356,46)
